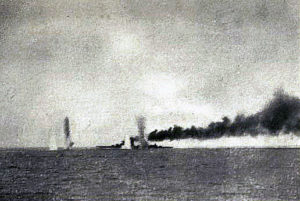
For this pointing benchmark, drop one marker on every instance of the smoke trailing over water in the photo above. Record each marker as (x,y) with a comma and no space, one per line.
(280,115)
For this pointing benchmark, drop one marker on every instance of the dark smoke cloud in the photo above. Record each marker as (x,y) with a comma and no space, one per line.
(280,115)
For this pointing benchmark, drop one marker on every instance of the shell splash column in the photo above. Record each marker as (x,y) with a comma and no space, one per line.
(67,133)
(141,123)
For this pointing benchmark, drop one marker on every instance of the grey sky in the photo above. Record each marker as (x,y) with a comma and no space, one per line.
(104,62)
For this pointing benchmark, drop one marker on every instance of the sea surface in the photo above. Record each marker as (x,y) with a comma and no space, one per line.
(161,174)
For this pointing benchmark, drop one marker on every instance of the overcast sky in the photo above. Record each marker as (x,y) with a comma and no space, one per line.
(102,63)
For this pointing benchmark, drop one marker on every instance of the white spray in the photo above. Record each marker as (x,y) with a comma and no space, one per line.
(141,123)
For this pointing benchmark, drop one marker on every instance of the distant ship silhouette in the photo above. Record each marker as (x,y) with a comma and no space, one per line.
(137,142)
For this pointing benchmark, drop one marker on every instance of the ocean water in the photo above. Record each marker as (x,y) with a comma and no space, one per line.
(162,174)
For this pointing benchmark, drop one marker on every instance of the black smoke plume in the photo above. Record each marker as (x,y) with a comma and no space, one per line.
(280,115)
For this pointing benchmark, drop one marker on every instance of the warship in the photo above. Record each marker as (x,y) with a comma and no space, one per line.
(137,142)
